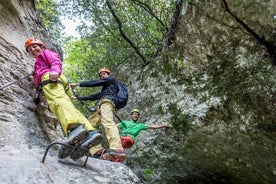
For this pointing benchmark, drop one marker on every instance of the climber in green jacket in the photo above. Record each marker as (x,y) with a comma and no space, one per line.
(130,129)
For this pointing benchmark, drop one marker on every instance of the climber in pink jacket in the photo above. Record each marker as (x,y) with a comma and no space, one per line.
(43,61)
(56,89)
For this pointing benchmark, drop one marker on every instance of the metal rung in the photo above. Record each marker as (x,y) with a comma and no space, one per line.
(66,144)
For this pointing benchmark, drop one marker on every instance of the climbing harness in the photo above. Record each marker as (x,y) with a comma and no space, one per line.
(43,83)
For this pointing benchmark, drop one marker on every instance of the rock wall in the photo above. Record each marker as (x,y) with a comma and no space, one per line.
(216,84)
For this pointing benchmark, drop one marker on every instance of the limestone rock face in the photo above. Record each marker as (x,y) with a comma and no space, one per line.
(216,85)
(27,129)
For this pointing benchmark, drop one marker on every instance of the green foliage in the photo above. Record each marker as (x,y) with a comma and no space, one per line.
(181,120)
(148,173)
(80,60)
(48,12)
(102,45)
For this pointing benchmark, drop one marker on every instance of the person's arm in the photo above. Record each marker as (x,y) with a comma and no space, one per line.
(93,83)
(92,97)
(165,125)
(54,62)
(74,85)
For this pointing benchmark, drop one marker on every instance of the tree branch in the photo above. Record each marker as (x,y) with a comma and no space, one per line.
(124,35)
(271,49)
(149,10)
(173,25)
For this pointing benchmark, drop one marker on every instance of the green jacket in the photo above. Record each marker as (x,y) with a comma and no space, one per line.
(131,128)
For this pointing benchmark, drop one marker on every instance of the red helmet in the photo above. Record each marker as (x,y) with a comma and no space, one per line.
(104,70)
(32,41)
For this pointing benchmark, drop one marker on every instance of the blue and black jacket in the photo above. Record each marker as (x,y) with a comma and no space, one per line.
(109,88)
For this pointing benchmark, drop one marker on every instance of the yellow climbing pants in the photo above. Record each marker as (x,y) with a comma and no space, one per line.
(104,116)
(58,96)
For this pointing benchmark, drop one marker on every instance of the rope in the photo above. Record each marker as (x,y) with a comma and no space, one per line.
(15,81)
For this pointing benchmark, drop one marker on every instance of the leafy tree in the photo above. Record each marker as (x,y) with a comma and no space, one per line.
(48,12)
(112,32)
(116,32)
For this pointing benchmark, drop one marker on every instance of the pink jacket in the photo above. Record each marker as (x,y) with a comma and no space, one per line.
(47,61)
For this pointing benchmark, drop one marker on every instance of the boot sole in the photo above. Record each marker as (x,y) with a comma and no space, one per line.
(79,138)
(65,150)
(79,153)
(97,139)
(114,157)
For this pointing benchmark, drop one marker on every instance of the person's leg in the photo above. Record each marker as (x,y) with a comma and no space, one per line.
(62,107)
(111,132)
(105,116)
(127,142)
(110,128)
(69,117)
(70,107)
(95,119)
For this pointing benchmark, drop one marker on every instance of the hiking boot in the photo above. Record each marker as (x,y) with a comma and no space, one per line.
(64,151)
(98,154)
(94,139)
(75,137)
(114,155)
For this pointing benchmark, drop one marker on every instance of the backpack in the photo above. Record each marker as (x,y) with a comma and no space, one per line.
(121,98)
